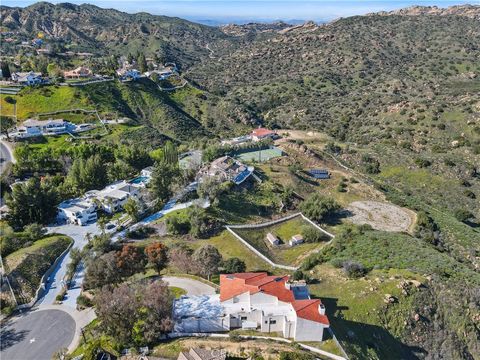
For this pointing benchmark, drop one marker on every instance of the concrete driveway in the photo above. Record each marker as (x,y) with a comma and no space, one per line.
(191,286)
(36,335)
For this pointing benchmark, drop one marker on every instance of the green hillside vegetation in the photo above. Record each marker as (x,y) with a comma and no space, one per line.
(26,266)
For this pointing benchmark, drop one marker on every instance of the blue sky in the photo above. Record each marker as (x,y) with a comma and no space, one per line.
(260,10)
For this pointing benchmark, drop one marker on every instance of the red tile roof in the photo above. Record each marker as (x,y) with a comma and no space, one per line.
(235,284)
(308,309)
(262,132)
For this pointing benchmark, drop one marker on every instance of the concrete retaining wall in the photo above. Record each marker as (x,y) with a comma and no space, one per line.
(41,288)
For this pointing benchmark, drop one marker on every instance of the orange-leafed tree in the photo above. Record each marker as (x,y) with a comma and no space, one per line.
(157,256)
(130,260)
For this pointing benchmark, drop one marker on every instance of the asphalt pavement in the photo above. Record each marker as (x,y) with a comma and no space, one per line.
(36,335)
(191,286)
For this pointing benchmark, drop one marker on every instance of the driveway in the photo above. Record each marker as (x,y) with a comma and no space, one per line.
(77,233)
(191,286)
(36,335)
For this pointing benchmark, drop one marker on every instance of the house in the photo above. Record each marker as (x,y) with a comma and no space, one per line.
(27,78)
(203,354)
(127,73)
(272,239)
(32,127)
(147,172)
(262,134)
(254,301)
(319,173)
(163,73)
(77,211)
(237,140)
(295,240)
(79,72)
(114,196)
(227,168)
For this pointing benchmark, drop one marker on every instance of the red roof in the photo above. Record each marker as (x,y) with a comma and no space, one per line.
(261,132)
(235,284)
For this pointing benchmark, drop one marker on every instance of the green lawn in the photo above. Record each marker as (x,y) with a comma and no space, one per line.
(282,254)
(34,100)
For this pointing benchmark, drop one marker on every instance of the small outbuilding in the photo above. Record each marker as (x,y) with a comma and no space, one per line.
(295,240)
(272,239)
(319,173)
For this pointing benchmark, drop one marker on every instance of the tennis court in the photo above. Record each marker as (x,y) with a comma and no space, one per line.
(260,155)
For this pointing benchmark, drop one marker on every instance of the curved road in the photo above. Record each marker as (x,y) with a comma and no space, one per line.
(36,335)
(191,286)
(6,155)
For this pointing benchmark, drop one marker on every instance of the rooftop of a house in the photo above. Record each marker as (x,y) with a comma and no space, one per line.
(75,205)
(262,132)
(203,307)
(232,285)
(33,122)
(117,190)
(79,70)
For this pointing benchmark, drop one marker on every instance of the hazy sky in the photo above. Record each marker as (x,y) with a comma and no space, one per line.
(267,10)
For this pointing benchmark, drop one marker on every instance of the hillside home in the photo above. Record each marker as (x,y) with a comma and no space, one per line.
(254,301)
(126,74)
(262,134)
(296,240)
(115,195)
(78,73)
(237,140)
(319,173)
(32,127)
(27,78)
(77,211)
(227,168)
(272,239)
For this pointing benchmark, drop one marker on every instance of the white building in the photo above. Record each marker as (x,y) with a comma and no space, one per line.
(147,172)
(254,301)
(115,195)
(77,211)
(296,240)
(32,127)
(272,239)
(27,78)
(227,168)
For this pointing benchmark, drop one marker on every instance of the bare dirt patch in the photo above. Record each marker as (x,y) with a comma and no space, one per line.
(381,216)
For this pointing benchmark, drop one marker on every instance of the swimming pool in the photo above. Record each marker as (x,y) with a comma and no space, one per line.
(139,180)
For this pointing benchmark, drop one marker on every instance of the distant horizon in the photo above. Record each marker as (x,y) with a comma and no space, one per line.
(218,12)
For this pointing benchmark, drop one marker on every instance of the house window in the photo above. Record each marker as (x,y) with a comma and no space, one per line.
(273,322)
(243,318)
(266,321)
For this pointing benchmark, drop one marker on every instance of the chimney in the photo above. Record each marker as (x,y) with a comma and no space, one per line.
(287,285)
(321,309)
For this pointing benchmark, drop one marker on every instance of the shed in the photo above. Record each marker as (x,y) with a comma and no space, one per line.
(319,173)
(273,239)
(295,240)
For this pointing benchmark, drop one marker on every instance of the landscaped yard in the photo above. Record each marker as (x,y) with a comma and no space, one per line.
(283,253)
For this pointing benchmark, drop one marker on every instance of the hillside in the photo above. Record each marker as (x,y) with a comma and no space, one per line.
(106,31)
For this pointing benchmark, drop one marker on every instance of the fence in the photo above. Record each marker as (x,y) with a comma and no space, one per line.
(269,223)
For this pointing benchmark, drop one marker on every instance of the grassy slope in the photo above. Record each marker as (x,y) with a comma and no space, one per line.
(26,266)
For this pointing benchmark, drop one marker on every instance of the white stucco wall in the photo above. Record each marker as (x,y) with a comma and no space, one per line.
(306,330)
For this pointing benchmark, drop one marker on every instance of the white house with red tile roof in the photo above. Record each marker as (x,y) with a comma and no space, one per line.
(257,301)
(262,133)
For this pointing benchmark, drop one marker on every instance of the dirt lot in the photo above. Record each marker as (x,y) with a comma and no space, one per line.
(381,216)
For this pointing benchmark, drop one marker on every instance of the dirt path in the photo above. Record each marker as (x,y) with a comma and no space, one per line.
(381,216)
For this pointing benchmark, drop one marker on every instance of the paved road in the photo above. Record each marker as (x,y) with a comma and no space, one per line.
(6,155)
(191,286)
(36,335)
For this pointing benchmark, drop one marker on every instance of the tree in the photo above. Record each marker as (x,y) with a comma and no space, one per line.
(234,265)
(317,207)
(135,315)
(87,174)
(118,310)
(180,256)
(210,188)
(201,224)
(157,256)
(162,181)
(32,202)
(207,258)
(169,154)
(463,215)
(353,269)
(101,243)
(142,63)
(101,271)
(34,231)
(5,70)
(313,235)
(177,224)
(130,260)
(132,209)
(6,122)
